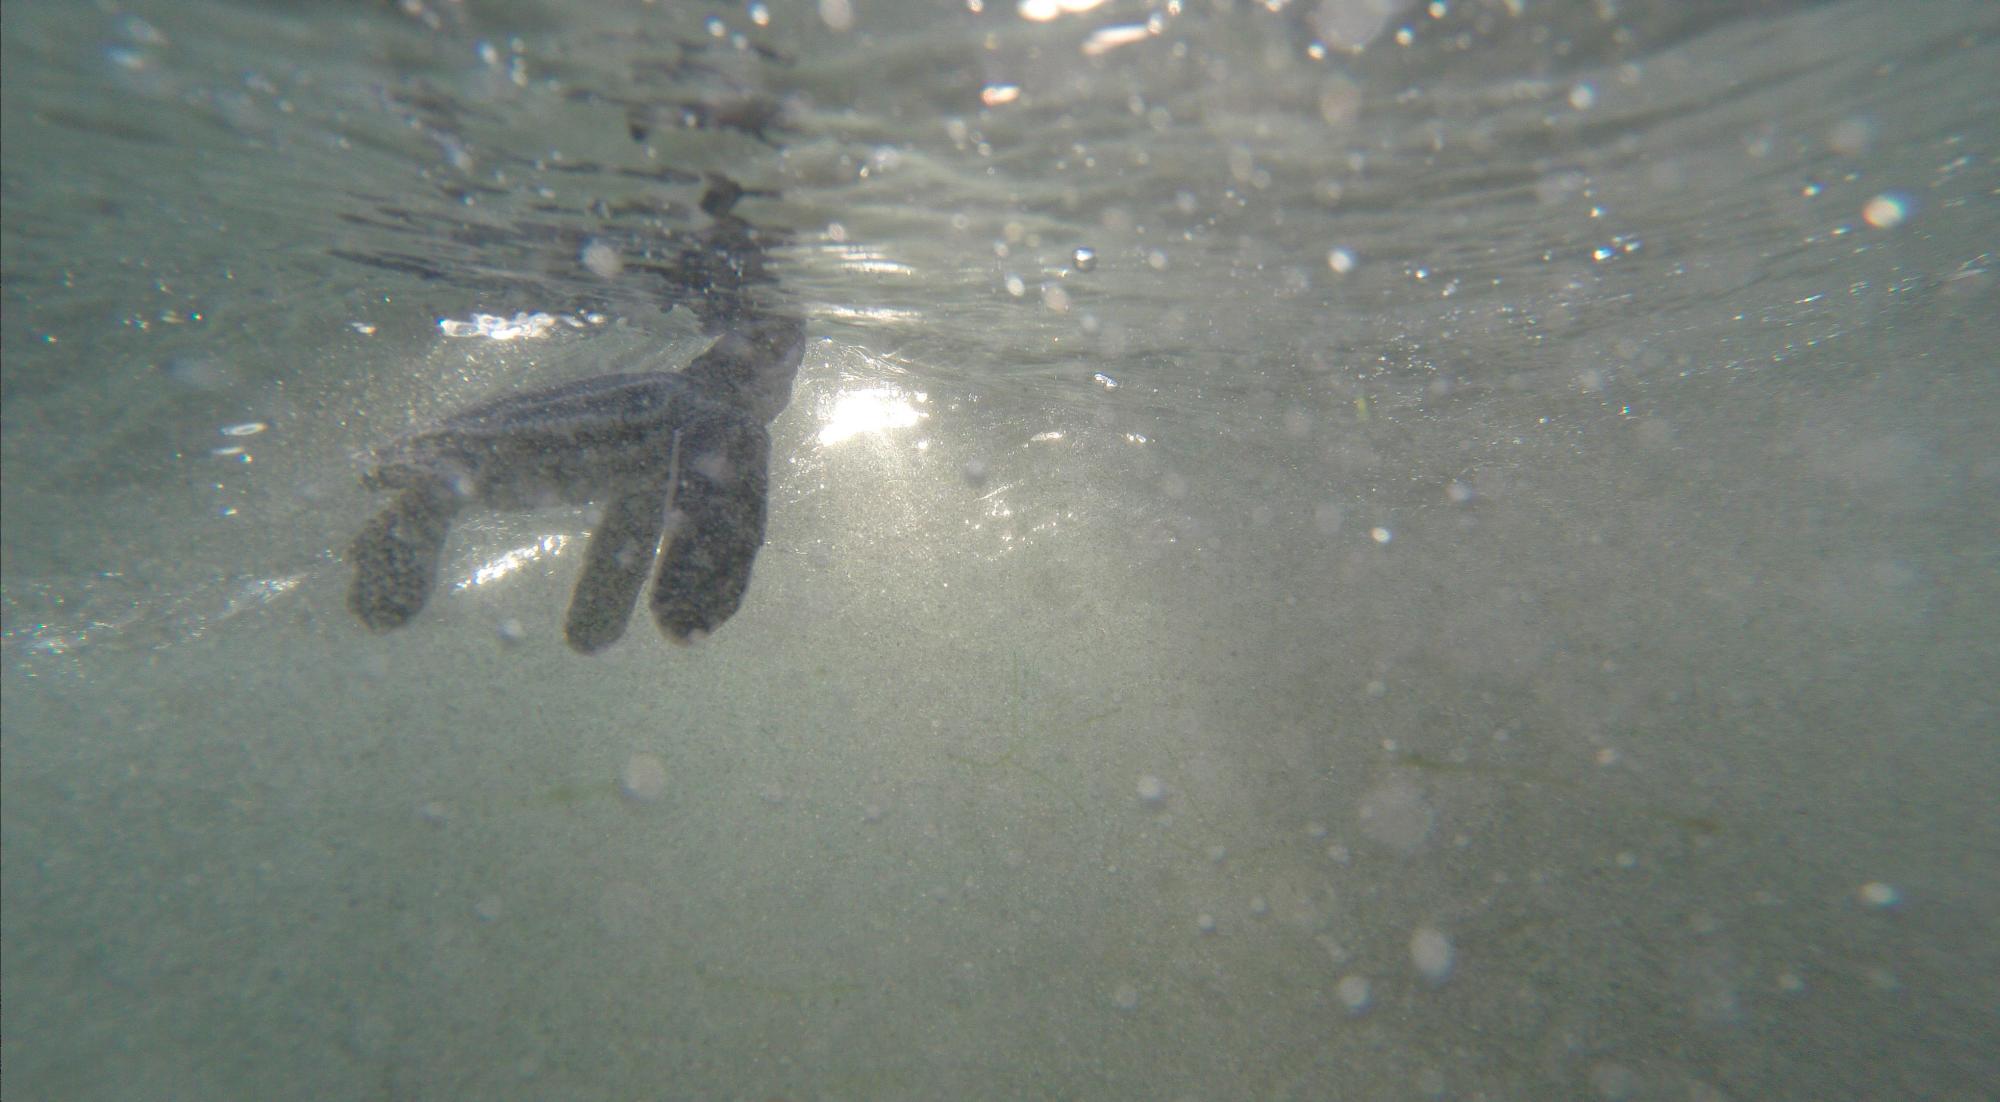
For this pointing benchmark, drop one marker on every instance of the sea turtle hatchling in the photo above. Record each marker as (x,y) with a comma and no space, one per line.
(678,463)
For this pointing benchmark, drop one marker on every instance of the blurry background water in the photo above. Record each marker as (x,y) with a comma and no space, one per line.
(1336,550)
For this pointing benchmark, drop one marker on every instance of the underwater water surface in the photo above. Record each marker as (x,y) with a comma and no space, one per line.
(1341,550)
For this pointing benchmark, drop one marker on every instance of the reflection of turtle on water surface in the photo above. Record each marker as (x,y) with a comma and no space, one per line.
(677,460)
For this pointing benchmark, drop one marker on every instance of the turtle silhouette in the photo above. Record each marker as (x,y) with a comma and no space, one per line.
(678,460)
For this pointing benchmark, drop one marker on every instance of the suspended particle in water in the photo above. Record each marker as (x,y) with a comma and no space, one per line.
(1395,814)
(602,260)
(1205,922)
(1340,260)
(1152,790)
(1851,136)
(1353,993)
(1431,952)
(644,778)
(1877,894)
(1083,259)
(1125,997)
(1886,211)
(838,15)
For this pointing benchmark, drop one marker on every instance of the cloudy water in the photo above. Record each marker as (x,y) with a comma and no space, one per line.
(1356,550)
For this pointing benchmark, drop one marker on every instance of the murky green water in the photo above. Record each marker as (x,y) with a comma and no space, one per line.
(1459,571)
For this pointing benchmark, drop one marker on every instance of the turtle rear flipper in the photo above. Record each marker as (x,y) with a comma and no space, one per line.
(614,568)
(396,556)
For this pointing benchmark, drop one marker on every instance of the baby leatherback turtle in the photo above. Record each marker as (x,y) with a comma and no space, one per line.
(677,460)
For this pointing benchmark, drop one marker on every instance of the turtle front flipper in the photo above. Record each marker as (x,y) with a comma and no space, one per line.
(719,479)
(614,568)
(396,555)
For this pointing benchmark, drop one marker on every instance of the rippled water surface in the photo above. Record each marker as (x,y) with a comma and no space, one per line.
(1341,551)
